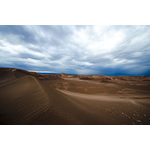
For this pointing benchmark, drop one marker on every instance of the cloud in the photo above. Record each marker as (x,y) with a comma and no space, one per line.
(77,49)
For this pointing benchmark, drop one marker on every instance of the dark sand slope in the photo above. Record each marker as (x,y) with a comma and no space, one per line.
(27,100)
(24,100)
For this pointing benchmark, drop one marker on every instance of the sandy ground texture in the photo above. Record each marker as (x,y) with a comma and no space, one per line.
(71,101)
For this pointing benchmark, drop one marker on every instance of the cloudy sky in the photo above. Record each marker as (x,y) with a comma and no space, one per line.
(109,50)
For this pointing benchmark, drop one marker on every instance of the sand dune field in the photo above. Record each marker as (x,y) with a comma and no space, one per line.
(24,99)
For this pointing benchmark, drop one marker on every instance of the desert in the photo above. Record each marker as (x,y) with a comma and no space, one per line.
(29,98)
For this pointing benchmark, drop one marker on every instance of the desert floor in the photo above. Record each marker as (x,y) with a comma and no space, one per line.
(72,101)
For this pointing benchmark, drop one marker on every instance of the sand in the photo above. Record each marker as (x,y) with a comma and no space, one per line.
(26,100)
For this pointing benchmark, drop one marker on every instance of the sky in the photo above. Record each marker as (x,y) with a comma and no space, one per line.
(80,49)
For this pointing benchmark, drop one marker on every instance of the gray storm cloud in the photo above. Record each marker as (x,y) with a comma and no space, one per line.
(77,49)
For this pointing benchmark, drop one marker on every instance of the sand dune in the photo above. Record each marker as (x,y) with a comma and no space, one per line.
(97,97)
(26,100)
(5,77)
(22,100)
